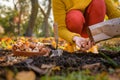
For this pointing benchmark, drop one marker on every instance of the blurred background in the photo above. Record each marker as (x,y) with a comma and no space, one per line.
(27,18)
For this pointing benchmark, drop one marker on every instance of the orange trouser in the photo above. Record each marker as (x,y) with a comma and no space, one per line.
(78,22)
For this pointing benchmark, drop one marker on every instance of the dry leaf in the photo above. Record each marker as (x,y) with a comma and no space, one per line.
(56,68)
(113,77)
(9,75)
(25,75)
(45,66)
(102,76)
(93,49)
(2,58)
(2,30)
(91,66)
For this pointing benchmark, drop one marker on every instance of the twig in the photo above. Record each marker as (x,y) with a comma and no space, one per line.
(56,33)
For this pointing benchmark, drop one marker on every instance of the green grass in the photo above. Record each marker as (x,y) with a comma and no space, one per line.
(112,48)
(77,76)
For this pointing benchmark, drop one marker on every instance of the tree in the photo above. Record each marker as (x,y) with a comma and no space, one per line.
(45,24)
(32,19)
(22,9)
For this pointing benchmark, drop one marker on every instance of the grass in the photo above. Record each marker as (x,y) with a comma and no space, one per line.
(111,44)
(112,48)
(81,75)
(112,62)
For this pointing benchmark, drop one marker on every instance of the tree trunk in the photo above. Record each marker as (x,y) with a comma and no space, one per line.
(18,24)
(45,24)
(32,19)
(45,28)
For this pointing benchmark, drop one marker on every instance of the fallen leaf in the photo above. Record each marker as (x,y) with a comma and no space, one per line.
(113,77)
(102,76)
(56,68)
(25,75)
(2,58)
(47,66)
(9,75)
(91,66)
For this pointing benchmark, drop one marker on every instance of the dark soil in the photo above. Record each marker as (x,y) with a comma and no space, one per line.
(66,62)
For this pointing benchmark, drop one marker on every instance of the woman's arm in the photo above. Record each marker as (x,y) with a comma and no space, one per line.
(59,13)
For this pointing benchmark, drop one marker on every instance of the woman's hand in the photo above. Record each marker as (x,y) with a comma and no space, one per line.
(83,43)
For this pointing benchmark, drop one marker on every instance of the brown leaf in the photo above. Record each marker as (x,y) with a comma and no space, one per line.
(2,58)
(102,76)
(113,77)
(1,30)
(45,66)
(25,75)
(117,70)
(9,75)
(56,68)
(91,66)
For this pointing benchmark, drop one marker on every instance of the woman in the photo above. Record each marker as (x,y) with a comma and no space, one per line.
(74,16)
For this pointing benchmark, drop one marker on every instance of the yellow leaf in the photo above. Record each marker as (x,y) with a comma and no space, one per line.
(56,68)
(9,47)
(69,47)
(94,49)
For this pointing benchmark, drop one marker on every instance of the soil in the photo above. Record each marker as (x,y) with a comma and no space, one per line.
(67,62)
